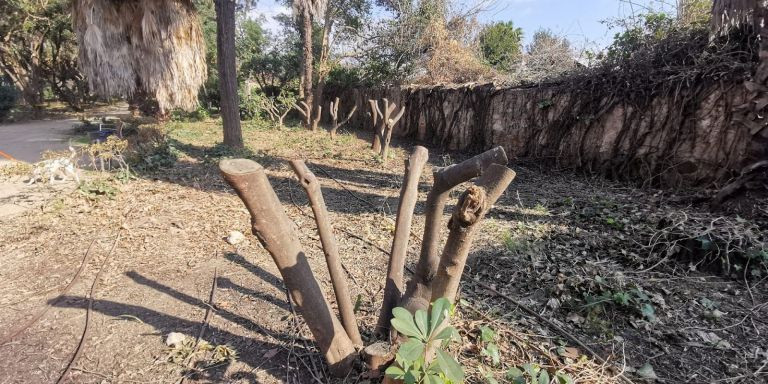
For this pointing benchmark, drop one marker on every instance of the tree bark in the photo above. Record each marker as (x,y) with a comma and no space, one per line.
(388,127)
(472,206)
(308,57)
(334,111)
(375,116)
(276,233)
(409,195)
(225,54)
(322,62)
(418,292)
(308,180)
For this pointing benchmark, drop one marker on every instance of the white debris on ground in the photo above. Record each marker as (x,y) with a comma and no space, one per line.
(175,339)
(235,237)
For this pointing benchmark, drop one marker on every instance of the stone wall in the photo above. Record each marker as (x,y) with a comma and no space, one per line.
(666,141)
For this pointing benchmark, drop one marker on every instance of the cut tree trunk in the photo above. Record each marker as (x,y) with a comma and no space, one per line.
(375,117)
(418,292)
(388,127)
(409,194)
(304,111)
(276,233)
(334,111)
(472,206)
(316,118)
(311,185)
(225,54)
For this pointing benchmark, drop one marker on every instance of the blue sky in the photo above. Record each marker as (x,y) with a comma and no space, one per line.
(579,20)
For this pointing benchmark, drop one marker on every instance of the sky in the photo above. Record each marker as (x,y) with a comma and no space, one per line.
(578,20)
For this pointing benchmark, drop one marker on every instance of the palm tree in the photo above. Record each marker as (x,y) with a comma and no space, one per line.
(151,47)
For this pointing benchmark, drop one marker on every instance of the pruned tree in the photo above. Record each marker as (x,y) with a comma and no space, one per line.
(438,273)
(375,116)
(277,110)
(334,111)
(305,109)
(308,180)
(276,233)
(384,123)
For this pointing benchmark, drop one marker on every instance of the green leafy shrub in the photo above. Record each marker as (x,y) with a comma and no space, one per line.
(631,298)
(535,374)
(344,77)
(422,359)
(251,102)
(488,347)
(501,45)
(199,114)
(149,149)
(99,188)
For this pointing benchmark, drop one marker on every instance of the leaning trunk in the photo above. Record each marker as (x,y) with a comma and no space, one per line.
(225,40)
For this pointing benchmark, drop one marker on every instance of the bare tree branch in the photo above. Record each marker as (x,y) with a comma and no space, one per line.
(276,233)
(472,206)
(409,194)
(308,180)
(418,292)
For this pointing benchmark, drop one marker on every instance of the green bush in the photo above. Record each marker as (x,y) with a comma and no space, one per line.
(251,103)
(8,98)
(345,77)
(199,114)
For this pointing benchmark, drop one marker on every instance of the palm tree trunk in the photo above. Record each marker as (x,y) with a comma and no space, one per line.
(225,52)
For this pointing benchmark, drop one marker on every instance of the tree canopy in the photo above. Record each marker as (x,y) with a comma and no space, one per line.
(501,44)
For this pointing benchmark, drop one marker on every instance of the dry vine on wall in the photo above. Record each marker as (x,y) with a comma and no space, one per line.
(683,112)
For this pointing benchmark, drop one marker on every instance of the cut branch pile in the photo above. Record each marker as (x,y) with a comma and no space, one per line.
(437,275)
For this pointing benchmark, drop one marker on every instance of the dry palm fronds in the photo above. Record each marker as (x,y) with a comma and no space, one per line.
(151,46)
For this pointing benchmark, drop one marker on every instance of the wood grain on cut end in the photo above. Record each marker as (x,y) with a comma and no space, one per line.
(239,166)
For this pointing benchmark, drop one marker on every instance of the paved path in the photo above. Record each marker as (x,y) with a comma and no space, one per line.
(26,141)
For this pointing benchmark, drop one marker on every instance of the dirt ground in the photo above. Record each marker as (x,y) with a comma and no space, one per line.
(630,273)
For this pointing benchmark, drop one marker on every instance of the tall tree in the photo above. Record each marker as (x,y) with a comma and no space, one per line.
(501,44)
(349,16)
(306,11)
(225,55)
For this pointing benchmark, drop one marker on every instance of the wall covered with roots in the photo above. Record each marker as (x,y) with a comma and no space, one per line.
(668,118)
